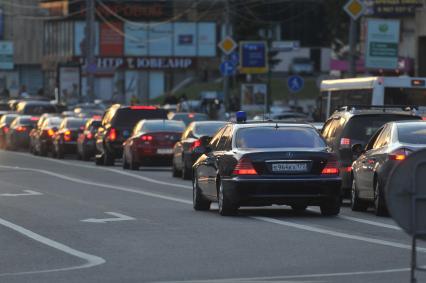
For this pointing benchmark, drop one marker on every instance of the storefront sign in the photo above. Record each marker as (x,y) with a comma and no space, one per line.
(6,55)
(395,8)
(111,39)
(142,63)
(131,10)
(382,44)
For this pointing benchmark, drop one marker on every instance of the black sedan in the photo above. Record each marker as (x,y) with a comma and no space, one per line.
(388,147)
(43,134)
(18,135)
(86,147)
(191,146)
(65,139)
(260,164)
(5,122)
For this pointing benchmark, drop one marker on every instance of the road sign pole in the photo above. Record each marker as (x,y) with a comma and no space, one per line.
(90,48)
(352,47)
(225,56)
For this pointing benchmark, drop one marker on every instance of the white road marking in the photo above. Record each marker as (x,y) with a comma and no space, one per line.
(118,217)
(337,234)
(96,184)
(27,193)
(91,260)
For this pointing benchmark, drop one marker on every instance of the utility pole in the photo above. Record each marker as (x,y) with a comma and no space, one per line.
(90,48)
(228,32)
(352,47)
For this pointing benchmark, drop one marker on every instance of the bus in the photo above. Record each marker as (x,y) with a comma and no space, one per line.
(366,91)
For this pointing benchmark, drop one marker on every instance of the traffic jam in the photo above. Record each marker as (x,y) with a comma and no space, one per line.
(243,162)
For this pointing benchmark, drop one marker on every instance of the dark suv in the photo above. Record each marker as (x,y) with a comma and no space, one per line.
(117,125)
(356,125)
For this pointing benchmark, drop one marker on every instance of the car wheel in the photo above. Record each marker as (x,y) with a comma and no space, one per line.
(59,153)
(299,207)
(200,203)
(108,159)
(331,207)
(186,172)
(99,161)
(85,156)
(356,203)
(125,163)
(175,172)
(134,165)
(379,201)
(226,205)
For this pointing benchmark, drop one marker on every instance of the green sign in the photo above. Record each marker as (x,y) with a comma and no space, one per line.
(382,44)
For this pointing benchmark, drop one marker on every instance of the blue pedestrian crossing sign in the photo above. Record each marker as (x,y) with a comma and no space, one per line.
(227,68)
(295,83)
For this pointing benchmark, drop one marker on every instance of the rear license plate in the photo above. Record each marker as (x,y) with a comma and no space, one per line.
(165,151)
(289,167)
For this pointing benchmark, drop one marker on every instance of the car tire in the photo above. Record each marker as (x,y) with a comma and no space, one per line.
(331,207)
(134,165)
(125,163)
(99,161)
(379,200)
(227,206)
(299,207)
(85,156)
(356,203)
(186,172)
(175,172)
(108,159)
(59,153)
(200,203)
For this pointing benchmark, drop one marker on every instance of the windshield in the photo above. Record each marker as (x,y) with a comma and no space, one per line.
(189,117)
(405,96)
(283,137)
(412,133)
(39,109)
(209,129)
(362,128)
(75,123)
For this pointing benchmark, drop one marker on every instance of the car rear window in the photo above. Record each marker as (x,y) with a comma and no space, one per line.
(282,137)
(8,119)
(190,117)
(362,128)
(75,124)
(38,109)
(413,134)
(128,118)
(163,126)
(208,129)
(4,107)
(27,121)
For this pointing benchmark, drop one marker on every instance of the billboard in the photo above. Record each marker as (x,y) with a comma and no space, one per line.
(253,97)
(80,38)
(253,57)
(185,39)
(69,83)
(160,39)
(6,55)
(382,43)
(394,8)
(111,39)
(136,40)
(206,39)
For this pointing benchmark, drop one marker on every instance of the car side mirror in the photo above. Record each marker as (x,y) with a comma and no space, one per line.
(357,150)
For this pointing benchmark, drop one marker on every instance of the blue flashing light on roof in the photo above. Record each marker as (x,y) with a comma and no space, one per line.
(241,116)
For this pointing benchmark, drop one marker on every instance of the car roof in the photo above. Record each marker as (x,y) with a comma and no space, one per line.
(36,102)
(365,112)
(409,122)
(271,124)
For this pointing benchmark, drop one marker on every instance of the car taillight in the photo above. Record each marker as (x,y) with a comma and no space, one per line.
(147,138)
(89,135)
(112,135)
(195,144)
(330,168)
(5,129)
(345,143)
(399,154)
(67,135)
(50,132)
(143,107)
(347,169)
(21,129)
(244,167)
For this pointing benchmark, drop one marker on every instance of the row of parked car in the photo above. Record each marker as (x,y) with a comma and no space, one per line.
(357,147)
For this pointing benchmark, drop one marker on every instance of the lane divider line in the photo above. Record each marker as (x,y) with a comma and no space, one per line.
(91,260)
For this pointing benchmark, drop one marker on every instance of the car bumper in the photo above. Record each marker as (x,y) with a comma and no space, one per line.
(268,191)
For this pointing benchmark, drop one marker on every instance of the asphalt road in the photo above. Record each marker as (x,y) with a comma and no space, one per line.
(70,221)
